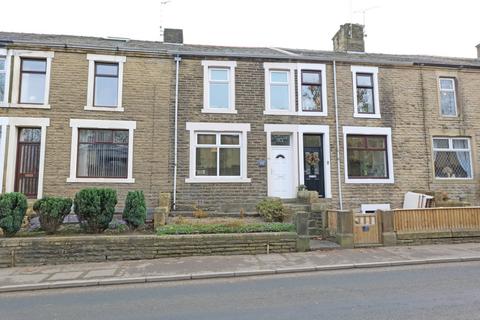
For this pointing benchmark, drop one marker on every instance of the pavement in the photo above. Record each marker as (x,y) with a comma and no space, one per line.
(205,267)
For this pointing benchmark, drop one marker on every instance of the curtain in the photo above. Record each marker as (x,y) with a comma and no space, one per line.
(464,160)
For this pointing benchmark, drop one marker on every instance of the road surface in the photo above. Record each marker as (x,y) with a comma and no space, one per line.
(443,291)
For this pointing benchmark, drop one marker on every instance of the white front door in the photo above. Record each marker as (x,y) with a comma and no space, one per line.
(281,172)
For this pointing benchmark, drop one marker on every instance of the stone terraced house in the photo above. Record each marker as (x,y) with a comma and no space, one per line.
(222,127)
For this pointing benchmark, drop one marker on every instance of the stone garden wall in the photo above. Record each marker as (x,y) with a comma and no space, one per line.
(62,250)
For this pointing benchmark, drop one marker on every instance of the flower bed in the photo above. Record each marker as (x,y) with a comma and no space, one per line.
(173,229)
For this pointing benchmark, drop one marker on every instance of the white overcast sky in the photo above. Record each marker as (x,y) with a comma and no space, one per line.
(436,27)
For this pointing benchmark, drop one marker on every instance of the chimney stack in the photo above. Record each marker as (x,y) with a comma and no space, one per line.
(173,36)
(350,38)
(478,51)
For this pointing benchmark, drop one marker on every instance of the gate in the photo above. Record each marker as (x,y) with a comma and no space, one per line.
(367,229)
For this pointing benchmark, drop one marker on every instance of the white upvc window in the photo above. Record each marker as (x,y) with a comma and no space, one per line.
(105,82)
(31,79)
(279,88)
(312,89)
(452,158)
(368,156)
(101,151)
(448,97)
(218,152)
(3,77)
(219,86)
(366,102)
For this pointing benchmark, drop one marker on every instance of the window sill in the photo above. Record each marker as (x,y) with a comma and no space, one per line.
(453,180)
(280,113)
(368,116)
(227,111)
(218,180)
(27,106)
(312,114)
(369,181)
(101,180)
(111,109)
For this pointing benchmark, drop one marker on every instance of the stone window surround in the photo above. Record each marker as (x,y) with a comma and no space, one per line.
(313,67)
(14,123)
(290,67)
(17,55)
(206,127)
(452,76)
(76,124)
(383,131)
(211,64)
(376,99)
(472,163)
(92,59)
(297,144)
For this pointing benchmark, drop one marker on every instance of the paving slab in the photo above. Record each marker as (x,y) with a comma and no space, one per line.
(203,267)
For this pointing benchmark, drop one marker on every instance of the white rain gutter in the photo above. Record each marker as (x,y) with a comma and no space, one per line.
(177,60)
(337,134)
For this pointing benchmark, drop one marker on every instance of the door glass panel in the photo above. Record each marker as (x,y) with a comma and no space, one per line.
(312,141)
(280,140)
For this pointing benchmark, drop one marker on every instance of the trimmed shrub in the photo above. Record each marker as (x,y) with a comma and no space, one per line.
(13,207)
(271,209)
(94,208)
(135,211)
(51,212)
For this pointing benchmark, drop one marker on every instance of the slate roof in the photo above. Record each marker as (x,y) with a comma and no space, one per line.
(226,51)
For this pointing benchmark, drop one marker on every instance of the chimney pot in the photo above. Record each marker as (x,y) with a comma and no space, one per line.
(350,37)
(173,35)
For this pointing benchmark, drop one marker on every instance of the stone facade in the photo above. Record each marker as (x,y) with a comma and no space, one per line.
(60,250)
(146,98)
(409,103)
(408,98)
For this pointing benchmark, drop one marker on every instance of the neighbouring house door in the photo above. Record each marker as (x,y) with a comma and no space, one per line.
(313,163)
(281,170)
(28,160)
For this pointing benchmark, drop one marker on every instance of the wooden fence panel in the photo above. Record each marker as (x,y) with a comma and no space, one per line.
(436,219)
